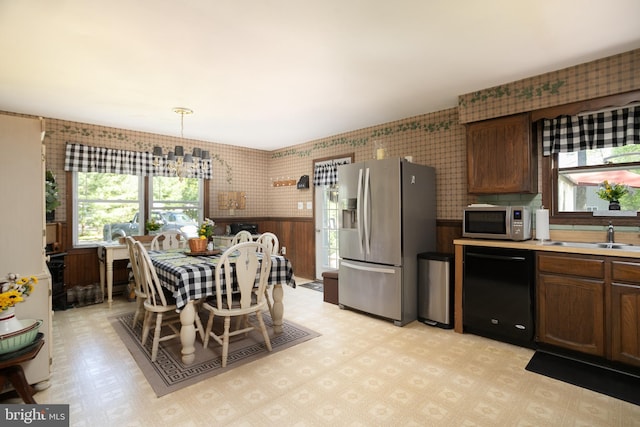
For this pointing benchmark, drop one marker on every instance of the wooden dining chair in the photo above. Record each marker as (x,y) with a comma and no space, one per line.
(252,274)
(159,303)
(242,236)
(170,239)
(270,240)
(140,287)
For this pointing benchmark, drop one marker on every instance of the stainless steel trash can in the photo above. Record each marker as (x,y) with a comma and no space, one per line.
(435,289)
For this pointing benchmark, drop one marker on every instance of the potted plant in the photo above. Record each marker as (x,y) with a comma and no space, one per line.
(51,195)
(206,229)
(205,239)
(152,226)
(612,193)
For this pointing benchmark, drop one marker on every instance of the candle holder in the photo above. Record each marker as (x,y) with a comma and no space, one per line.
(379,151)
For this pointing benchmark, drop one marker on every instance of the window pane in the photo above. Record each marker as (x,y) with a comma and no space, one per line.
(579,178)
(176,203)
(106,206)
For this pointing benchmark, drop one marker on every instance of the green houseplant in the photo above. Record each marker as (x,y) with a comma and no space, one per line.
(152,225)
(612,193)
(51,195)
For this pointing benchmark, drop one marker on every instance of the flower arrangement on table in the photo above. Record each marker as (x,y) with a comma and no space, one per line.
(15,289)
(206,229)
(612,193)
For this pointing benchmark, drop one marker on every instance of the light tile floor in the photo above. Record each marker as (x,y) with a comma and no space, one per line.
(362,371)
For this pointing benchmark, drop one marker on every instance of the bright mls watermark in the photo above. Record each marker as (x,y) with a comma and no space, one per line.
(34,415)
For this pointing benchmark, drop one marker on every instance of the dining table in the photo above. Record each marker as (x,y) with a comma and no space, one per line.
(191,278)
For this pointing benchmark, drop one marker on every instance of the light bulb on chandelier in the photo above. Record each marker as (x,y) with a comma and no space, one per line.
(177,162)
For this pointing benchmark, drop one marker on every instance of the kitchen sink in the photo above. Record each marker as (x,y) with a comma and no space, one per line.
(619,246)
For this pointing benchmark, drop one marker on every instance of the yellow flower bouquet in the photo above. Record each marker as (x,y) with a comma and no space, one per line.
(15,289)
(206,229)
(612,191)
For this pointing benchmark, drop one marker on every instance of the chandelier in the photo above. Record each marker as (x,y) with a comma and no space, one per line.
(177,162)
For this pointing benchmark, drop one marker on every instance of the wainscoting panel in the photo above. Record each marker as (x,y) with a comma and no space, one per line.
(296,234)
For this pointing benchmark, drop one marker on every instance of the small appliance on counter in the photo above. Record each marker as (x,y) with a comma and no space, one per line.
(497,222)
(237,227)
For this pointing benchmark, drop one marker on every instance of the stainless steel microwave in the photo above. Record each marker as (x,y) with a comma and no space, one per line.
(497,222)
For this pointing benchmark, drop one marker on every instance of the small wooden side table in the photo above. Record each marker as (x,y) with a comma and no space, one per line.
(10,369)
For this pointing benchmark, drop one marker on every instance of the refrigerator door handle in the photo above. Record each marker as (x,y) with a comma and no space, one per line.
(373,269)
(366,212)
(358,210)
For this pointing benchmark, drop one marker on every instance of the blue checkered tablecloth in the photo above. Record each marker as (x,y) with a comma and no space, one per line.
(192,277)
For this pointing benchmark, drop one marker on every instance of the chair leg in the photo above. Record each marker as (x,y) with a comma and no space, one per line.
(156,337)
(207,332)
(266,295)
(146,326)
(139,310)
(199,326)
(263,328)
(225,341)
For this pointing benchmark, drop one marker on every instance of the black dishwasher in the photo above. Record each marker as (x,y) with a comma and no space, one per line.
(498,294)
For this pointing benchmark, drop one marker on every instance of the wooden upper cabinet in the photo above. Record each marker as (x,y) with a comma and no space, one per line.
(501,156)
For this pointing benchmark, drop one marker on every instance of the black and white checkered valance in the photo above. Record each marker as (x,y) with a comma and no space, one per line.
(326,173)
(598,130)
(84,158)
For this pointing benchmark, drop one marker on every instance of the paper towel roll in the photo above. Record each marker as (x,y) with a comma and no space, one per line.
(542,224)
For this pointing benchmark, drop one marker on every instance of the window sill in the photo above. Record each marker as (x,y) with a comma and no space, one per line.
(615,213)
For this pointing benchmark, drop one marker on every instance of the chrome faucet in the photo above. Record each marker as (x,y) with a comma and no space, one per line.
(610,233)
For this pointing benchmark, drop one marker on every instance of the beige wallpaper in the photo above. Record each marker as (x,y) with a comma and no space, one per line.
(606,76)
(432,139)
(235,168)
(435,139)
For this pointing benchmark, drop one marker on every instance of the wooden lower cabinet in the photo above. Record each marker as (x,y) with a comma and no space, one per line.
(571,313)
(571,302)
(625,312)
(590,304)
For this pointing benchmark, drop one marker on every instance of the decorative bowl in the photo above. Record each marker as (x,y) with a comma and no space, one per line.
(16,340)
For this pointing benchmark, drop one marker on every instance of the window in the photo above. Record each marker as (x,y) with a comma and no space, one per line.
(327,212)
(582,150)
(111,187)
(581,173)
(176,203)
(109,206)
(106,206)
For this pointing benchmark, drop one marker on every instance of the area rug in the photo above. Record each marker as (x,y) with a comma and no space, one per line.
(601,380)
(168,374)
(316,286)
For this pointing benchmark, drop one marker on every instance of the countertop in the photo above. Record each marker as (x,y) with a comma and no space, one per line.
(535,245)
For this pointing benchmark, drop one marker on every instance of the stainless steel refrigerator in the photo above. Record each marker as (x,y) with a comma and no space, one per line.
(388,217)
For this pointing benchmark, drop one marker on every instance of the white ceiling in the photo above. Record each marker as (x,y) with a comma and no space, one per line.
(269,74)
